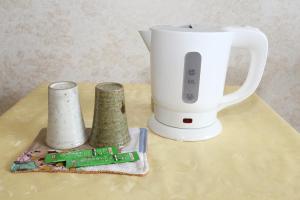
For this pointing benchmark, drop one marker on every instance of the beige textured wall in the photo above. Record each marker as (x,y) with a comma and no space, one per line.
(97,40)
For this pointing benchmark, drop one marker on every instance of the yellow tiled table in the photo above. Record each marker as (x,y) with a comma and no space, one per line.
(257,156)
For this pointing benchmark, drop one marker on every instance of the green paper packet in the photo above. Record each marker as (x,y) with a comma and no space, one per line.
(91,157)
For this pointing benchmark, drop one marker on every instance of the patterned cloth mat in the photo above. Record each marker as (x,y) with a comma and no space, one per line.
(37,151)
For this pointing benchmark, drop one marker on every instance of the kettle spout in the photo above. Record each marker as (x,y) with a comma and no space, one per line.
(146,35)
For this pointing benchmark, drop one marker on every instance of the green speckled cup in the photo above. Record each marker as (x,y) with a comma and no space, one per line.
(110,123)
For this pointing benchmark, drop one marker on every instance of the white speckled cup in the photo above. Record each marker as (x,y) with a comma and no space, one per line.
(65,123)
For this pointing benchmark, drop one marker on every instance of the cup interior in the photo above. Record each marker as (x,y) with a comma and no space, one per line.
(110,86)
(64,85)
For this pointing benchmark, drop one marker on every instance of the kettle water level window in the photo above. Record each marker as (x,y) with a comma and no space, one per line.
(191,77)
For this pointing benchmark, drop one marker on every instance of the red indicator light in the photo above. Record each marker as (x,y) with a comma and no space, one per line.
(187,120)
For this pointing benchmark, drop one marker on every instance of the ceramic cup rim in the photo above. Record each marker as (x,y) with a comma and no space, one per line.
(62,85)
(100,87)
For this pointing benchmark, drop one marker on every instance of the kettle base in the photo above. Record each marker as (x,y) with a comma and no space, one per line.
(184,134)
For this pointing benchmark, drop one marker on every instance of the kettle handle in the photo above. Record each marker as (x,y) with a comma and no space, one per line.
(257,43)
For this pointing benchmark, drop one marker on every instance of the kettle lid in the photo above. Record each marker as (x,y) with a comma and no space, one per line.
(187,28)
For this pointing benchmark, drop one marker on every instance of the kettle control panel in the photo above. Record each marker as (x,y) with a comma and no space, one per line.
(191,77)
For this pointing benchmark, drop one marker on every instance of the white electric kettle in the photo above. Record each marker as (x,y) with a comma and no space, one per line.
(188,71)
